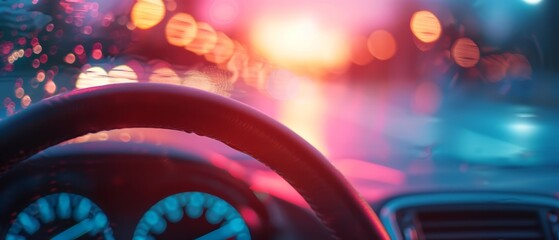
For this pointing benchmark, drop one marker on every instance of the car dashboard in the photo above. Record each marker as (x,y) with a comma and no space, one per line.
(140,191)
(145,191)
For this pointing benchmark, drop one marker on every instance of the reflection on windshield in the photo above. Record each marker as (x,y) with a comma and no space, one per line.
(399,83)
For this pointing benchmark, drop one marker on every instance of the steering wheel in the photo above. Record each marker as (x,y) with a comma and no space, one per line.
(63,117)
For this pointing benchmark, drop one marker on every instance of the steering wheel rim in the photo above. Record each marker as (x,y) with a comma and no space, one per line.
(245,129)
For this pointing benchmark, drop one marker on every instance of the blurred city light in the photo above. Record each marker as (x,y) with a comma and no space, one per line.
(205,40)
(181,29)
(93,76)
(425,26)
(147,13)
(164,75)
(465,53)
(122,74)
(523,128)
(299,42)
(224,49)
(360,54)
(532,1)
(382,44)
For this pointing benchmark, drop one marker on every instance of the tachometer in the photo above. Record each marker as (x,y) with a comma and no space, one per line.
(61,216)
(192,215)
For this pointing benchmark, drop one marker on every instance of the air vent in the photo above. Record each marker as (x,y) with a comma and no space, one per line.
(477,222)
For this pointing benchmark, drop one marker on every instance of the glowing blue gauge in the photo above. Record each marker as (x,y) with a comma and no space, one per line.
(61,216)
(200,216)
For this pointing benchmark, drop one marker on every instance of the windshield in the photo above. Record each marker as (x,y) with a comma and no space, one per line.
(402,84)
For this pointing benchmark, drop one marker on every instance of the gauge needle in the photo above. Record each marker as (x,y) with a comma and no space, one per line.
(75,231)
(223,232)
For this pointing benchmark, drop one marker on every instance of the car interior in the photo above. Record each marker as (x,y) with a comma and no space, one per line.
(267,119)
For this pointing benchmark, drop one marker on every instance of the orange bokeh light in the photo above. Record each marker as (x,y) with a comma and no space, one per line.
(360,55)
(25,101)
(50,87)
(300,43)
(205,40)
(70,58)
(425,26)
(465,53)
(382,45)
(146,14)
(224,49)
(181,29)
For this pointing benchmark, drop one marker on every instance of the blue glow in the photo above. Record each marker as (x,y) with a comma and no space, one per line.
(533,2)
(237,225)
(88,217)
(45,211)
(12,237)
(82,210)
(243,236)
(30,225)
(172,210)
(63,208)
(75,231)
(523,128)
(100,220)
(151,217)
(194,204)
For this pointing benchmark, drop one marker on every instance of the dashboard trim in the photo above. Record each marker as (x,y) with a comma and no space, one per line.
(388,217)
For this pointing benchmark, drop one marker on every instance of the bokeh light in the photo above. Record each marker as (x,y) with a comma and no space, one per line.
(181,29)
(93,76)
(360,54)
(300,42)
(40,76)
(519,67)
(164,75)
(533,2)
(70,58)
(382,45)
(50,87)
(97,54)
(25,101)
(425,26)
(122,74)
(224,49)
(19,92)
(147,13)
(205,40)
(465,53)
(494,67)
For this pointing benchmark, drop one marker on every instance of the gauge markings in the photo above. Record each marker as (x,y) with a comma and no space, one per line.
(73,216)
(197,208)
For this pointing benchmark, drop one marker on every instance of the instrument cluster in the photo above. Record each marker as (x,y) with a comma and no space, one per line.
(126,191)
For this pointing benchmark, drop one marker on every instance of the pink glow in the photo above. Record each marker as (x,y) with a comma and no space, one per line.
(363,170)
(270,182)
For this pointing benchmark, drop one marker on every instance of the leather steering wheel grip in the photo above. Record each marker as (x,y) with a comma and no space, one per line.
(79,112)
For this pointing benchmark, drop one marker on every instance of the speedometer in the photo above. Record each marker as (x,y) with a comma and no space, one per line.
(61,216)
(192,215)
